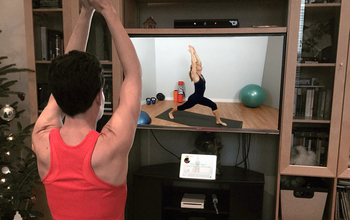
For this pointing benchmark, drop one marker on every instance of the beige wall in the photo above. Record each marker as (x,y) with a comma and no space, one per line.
(13,45)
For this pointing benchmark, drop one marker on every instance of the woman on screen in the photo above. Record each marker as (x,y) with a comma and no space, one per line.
(199,85)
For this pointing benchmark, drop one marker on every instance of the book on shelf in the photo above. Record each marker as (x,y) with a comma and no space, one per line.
(312,102)
(108,90)
(304,82)
(308,82)
(43,38)
(342,203)
(321,103)
(300,101)
(51,43)
(309,102)
(328,104)
(315,102)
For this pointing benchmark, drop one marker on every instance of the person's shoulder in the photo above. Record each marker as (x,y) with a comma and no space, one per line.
(113,134)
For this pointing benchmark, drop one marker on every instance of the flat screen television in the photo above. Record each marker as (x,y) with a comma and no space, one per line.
(230,62)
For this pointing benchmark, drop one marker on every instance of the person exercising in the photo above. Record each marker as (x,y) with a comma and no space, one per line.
(85,171)
(199,88)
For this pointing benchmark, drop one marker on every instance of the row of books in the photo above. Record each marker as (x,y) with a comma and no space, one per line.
(313,141)
(342,202)
(312,102)
(108,90)
(52,44)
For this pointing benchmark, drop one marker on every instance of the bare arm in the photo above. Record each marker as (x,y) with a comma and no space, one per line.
(123,123)
(194,75)
(199,62)
(79,37)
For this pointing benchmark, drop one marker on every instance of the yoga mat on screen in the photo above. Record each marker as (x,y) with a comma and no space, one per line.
(197,120)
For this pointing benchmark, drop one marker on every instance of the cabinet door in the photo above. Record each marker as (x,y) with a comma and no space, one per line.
(147,198)
(310,129)
(344,156)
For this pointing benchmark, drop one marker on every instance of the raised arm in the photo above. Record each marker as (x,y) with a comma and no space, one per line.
(80,35)
(123,122)
(194,76)
(197,59)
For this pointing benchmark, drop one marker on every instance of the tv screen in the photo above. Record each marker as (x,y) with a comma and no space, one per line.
(230,62)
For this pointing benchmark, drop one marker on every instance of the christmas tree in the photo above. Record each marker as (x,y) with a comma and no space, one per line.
(18,164)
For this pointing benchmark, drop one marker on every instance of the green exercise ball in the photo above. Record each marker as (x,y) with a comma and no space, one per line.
(252,95)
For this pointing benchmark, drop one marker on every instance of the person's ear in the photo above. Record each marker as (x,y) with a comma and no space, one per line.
(99,97)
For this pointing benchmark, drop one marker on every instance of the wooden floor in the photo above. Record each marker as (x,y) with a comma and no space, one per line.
(262,118)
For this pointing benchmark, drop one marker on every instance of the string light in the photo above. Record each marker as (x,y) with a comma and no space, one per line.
(5,170)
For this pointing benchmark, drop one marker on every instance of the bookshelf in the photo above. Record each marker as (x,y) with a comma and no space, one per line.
(318,132)
(58,23)
(61,18)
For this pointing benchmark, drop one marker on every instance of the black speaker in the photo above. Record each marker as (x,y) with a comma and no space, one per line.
(207,23)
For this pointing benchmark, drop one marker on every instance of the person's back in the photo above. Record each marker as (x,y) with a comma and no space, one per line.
(73,189)
(84,172)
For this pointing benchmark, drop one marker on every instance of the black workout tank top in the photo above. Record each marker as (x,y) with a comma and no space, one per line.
(199,87)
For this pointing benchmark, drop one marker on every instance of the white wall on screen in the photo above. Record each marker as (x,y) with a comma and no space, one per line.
(146,53)
(273,64)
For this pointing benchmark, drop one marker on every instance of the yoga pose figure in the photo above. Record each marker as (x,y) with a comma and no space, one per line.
(84,171)
(199,86)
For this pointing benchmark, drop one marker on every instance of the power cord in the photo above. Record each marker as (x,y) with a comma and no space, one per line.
(245,139)
(164,147)
(215,201)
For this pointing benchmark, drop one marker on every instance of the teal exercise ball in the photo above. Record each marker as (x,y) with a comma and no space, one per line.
(252,95)
(144,118)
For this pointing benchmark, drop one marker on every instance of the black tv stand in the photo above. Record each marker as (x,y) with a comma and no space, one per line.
(158,191)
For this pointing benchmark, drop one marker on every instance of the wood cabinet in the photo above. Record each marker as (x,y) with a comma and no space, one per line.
(164,12)
(60,19)
(343,162)
(158,192)
(58,23)
(326,68)
(318,133)
(343,159)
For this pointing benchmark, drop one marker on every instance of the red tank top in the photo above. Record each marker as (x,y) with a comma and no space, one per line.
(73,190)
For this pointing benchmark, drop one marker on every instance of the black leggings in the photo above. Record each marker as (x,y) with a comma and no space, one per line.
(197,99)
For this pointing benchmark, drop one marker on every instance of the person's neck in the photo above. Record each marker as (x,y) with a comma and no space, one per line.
(75,129)
(79,122)
(87,120)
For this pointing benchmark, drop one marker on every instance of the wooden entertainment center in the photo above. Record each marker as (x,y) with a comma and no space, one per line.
(330,66)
